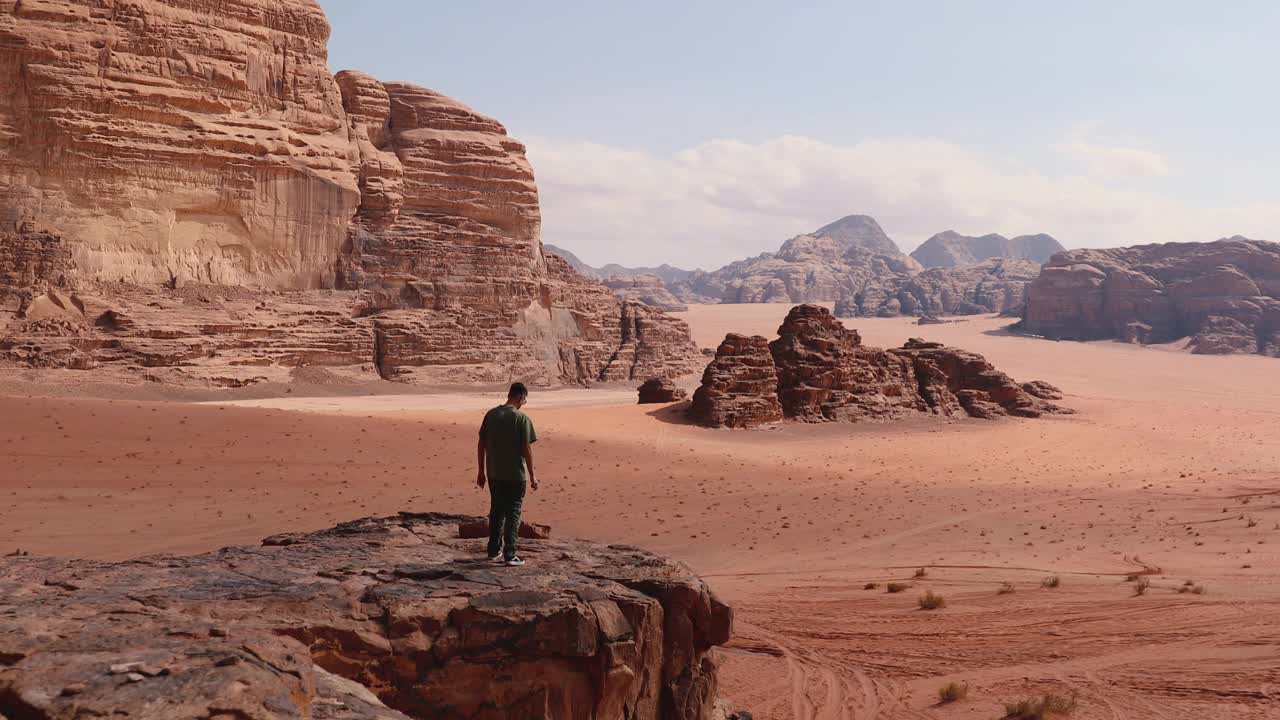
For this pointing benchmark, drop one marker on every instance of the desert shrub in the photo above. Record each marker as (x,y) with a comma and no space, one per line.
(1140,588)
(932,601)
(871,586)
(896,587)
(951,692)
(1051,582)
(1039,708)
(1005,589)
(920,573)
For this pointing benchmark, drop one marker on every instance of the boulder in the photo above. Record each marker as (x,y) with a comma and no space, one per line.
(661,390)
(375,619)
(739,387)
(479,528)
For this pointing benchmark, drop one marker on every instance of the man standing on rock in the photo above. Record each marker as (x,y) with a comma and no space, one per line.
(506,462)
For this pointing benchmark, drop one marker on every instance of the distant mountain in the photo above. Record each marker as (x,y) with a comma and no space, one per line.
(861,231)
(670,275)
(951,249)
(832,262)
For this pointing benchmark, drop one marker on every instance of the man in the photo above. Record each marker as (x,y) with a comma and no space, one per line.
(506,462)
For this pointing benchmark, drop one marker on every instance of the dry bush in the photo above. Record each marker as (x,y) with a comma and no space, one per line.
(1051,582)
(932,601)
(1039,708)
(920,573)
(896,587)
(871,586)
(1005,589)
(951,692)
(1140,588)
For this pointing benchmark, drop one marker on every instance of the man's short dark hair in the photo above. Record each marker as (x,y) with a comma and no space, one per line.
(518,390)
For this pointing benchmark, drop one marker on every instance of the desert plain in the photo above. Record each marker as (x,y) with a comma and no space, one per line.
(1124,556)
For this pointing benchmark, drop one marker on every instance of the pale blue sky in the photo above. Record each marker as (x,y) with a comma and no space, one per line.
(1174,101)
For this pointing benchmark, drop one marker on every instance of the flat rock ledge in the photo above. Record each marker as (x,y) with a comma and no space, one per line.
(379,618)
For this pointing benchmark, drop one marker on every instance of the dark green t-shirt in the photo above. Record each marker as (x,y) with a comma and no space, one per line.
(505,432)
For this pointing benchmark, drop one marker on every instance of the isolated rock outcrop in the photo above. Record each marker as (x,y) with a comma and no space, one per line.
(1223,295)
(374,619)
(178,146)
(996,285)
(660,390)
(739,387)
(825,373)
(951,249)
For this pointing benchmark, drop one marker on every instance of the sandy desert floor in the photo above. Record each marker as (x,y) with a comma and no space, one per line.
(1169,472)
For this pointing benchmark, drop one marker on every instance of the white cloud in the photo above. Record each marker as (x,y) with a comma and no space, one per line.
(1106,160)
(727,199)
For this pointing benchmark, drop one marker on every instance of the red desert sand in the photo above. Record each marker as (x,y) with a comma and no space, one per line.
(1167,473)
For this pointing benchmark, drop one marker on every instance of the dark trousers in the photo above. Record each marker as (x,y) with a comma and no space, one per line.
(506,498)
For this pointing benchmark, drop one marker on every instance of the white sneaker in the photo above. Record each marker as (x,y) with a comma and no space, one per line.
(495,558)
(515,561)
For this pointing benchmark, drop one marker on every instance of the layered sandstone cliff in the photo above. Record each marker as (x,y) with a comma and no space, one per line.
(186,138)
(375,619)
(1223,295)
(817,371)
(205,146)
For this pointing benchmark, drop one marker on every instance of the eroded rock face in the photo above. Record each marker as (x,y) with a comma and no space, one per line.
(660,390)
(996,285)
(951,249)
(646,289)
(201,144)
(196,139)
(375,619)
(1224,295)
(825,373)
(739,387)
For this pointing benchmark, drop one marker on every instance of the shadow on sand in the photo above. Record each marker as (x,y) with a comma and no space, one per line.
(675,414)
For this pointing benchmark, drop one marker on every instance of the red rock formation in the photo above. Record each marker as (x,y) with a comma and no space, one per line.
(193,139)
(660,390)
(739,387)
(204,143)
(825,373)
(1224,295)
(390,619)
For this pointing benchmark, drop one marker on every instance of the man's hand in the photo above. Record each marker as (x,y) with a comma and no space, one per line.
(480,479)
(533,481)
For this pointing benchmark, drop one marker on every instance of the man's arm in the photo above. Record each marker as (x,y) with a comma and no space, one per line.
(480,453)
(528,463)
(530,437)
